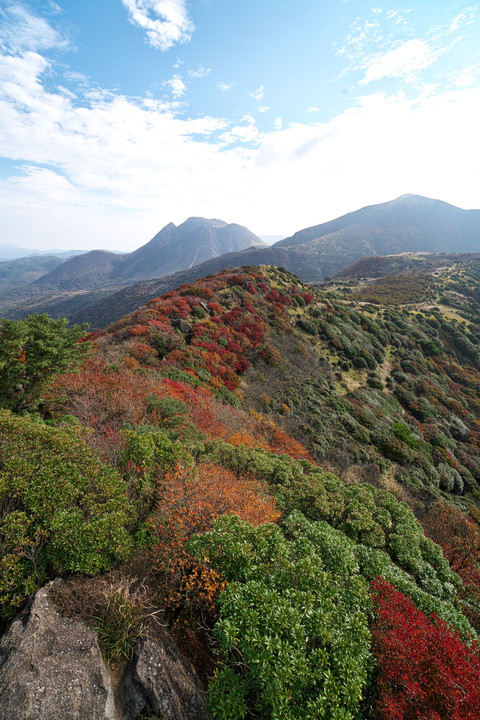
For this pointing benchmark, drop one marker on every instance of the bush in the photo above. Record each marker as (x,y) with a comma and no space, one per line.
(308,326)
(61,510)
(294,611)
(425,669)
(32,352)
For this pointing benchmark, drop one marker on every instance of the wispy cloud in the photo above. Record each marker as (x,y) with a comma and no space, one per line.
(403,61)
(466,77)
(166,22)
(20,31)
(258,94)
(225,87)
(386,45)
(176,85)
(200,72)
(464,18)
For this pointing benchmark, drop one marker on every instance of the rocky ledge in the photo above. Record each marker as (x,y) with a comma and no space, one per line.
(51,668)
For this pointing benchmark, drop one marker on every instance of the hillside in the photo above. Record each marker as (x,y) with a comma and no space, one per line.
(25,270)
(201,247)
(90,306)
(377,266)
(291,476)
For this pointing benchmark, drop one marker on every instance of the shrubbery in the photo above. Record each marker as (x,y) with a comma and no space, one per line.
(61,510)
(293,627)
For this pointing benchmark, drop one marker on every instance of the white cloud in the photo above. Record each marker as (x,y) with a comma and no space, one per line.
(312,109)
(465,17)
(258,94)
(177,85)
(241,134)
(387,45)
(103,169)
(225,87)
(20,30)
(199,72)
(166,22)
(403,61)
(467,77)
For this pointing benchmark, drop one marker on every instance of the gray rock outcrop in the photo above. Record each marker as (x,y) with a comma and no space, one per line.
(51,668)
(160,676)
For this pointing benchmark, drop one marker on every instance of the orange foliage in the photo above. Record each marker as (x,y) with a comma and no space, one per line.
(96,395)
(189,502)
(201,404)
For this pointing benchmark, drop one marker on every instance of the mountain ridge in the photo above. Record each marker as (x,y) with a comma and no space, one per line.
(172,249)
(408,223)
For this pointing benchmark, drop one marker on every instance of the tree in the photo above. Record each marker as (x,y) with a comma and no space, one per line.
(32,352)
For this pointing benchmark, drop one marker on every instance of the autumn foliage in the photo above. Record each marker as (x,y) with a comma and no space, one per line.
(425,671)
(459,537)
(189,501)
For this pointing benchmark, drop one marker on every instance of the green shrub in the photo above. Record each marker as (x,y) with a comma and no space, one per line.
(32,352)
(403,433)
(61,510)
(295,612)
(307,326)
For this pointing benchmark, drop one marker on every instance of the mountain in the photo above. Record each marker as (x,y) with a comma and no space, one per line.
(178,248)
(377,266)
(172,249)
(409,223)
(94,268)
(13,252)
(25,270)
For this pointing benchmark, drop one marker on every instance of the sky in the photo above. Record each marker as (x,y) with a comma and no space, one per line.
(120,116)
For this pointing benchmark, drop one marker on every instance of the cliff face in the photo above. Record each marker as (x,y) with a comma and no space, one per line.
(52,669)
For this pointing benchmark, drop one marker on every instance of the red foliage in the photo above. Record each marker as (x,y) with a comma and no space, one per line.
(426,672)
(307,297)
(459,538)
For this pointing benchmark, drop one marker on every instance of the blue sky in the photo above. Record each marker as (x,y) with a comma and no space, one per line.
(119,116)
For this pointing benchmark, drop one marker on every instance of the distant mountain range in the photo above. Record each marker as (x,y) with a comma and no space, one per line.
(172,249)
(78,287)
(25,270)
(13,252)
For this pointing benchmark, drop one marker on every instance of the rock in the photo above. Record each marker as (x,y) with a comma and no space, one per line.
(160,676)
(51,668)
(182,325)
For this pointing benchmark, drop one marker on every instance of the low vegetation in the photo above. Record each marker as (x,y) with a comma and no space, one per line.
(288,477)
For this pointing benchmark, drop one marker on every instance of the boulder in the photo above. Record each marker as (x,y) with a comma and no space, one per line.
(160,676)
(51,668)
(182,325)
